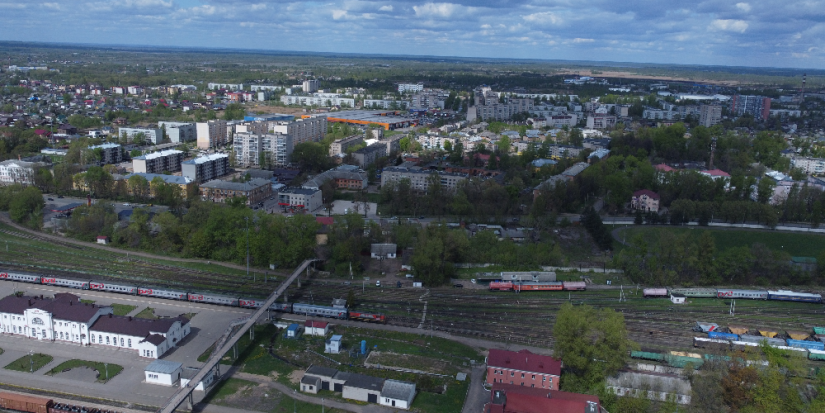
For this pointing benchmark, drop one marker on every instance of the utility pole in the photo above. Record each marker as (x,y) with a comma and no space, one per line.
(247,246)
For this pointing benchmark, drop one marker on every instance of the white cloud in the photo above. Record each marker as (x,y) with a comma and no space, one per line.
(745,7)
(545,17)
(385,8)
(53,6)
(339,14)
(437,10)
(729,25)
(581,40)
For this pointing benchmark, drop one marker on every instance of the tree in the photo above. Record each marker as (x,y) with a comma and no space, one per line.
(576,137)
(234,111)
(591,343)
(764,191)
(26,207)
(310,156)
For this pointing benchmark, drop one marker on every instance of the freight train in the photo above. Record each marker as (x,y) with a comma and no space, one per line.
(34,404)
(196,297)
(538,286)
(779,295)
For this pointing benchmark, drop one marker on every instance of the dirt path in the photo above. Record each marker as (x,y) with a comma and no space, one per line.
(4,218)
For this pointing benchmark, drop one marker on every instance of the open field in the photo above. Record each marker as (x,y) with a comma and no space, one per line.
(30,363)
(796,244)
(105,372)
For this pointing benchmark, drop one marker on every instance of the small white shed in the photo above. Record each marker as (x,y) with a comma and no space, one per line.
(316,328)
(383,251)
(165,373)
(398,394)
(333,345)
(676,298)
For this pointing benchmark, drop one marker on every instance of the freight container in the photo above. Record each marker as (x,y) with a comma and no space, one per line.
(682,362)
(710,343)
(819,330)
(723,336)
(25,403)
(646,355)
(686,354)
(816,355)
(806,344)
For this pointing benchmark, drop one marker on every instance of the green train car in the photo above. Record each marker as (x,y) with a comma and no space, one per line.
(695,292)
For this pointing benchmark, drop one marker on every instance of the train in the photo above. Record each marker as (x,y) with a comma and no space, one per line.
(34,404)
(537,286)
(778,295)
(196,297)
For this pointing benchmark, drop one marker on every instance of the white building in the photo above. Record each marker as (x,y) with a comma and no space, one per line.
(318,99)
(189,373)
(811,166)
(308,199)
(398,394)
(206,168)
(152,135)
(165,373)
(316,328)
(179,132)
(301,130)
(150,338)
(227,86)
(251,148)
(386,104)
(310,86)
(333,345)
(18,172)
(158,162)
(410,87)
(211,134)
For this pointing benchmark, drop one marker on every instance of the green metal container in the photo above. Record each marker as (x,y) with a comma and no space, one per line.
(682,361)
(819,330)
(646,355)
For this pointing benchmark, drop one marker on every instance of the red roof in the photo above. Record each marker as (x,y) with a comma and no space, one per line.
(664,168)
(316,324)
(716,172)
(649,193)
(325,220)
(102,237)
(519,399)
(525,361)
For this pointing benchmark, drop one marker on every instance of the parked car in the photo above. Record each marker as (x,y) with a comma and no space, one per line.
(50,199)
(458,285)
(378,283)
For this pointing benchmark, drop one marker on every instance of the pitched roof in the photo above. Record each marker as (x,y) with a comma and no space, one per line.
(135,327)
(63,307)
(399,390)
(325,220)
(664,168)
(322,371)
(525,361)
(649,193)
(163,366)
(315,324)
(360,381)
(520,399)
(716,172)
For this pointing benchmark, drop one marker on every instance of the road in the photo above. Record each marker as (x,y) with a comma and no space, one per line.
(477,396)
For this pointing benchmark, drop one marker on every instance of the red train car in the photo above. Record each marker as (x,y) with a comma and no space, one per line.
(369,317)
(501,286)
(25,403)
(574,285)
(539,286)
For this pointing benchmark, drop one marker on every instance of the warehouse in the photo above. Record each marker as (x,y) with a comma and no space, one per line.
(388,119)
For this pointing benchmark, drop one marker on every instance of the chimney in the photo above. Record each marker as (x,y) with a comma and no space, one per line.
(130,318)
(110,315)
(71,303)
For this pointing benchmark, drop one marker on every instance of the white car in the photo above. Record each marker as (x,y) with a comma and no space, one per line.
(378,283)
(127,204)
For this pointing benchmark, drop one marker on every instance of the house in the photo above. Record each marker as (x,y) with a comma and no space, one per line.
(677,298)
(645,200)
(333,345)
(150,338)
(292,331)
(163,372)
(397,394)
(310,384)
(383,251)
(716,174)
(505,398)
(523,368)
(102,239)
(664,168)
(316,328)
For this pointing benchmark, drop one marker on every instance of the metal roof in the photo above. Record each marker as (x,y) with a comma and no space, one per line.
(163,366)
(207,158)
(398,390)
(160,154)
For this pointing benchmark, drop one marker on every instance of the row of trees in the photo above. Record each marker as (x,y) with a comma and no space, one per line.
(24,204)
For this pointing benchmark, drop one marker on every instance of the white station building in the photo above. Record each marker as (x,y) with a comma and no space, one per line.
(65,318)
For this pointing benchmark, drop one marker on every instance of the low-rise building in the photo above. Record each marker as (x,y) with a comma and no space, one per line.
(333,345)
(185,184)
(158,162)
(367,156)
(18,172)
(163,372)
(255,190)
(505,398)
(397,394)
(811,166)
(343,177)
(383,251)
(523,368)
(645,200)
(316,328)
(359,387)
(419,178)
(340,146)
(110,153)
(308,199)
(206,168)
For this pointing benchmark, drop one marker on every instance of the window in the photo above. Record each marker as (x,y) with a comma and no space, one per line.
(93,338)
(512,374)
(121,342)
(61,335)
(532,385)
(100,338)
(107,339)
(130,342)
(37,321)
(522,375)
(534,377)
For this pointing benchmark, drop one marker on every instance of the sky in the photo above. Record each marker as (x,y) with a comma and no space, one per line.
(763,33)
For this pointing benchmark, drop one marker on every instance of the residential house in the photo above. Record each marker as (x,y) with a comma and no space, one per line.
(255,190)
(383,251)
(645,200)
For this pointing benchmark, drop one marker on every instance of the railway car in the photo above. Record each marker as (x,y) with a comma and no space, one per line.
(815,345)
(751,294)
(282,307)
(250,303)
(654,292)
(213,299)
(711,343)
(368,317)
(113,288)
(797,335)
(319,310)
(25,403)
(817,355)
(501,286)
(695,292)
(539,286)
(168,294)
(723,336)
(759,339)
(15,276)
(574,285)
(682,361)
(645,355)
(742,345)
(706,327)
(794,351)
(738,330)
(784,295)
(65,282)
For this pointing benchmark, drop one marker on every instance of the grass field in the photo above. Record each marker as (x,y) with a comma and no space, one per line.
(123,309)
(147,312)
(796,244)
(30,363)
(107,372)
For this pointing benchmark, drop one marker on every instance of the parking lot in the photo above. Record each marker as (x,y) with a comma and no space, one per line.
(208,324)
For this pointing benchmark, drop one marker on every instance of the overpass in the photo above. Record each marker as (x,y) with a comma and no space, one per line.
(226,343)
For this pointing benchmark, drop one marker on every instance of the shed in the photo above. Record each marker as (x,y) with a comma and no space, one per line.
(310,384)
(383,251)
(677,298)
(292,331)
(189,373)
(360,387)
(329,379)
(102,239)
(316,328)
(163,372)
(397,394)
(333,345)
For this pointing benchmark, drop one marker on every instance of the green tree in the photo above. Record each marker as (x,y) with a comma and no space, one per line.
(27,206)
(310,156)
(764,191)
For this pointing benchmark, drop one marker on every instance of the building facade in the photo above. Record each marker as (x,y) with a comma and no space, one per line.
(18,172)
(419,178)
(255,190)
(301,130)
(318,99)
(340,146)
(211,134)
(367,156)
(811,166)
(309,199)
(110,153)
(710,115)
(271,148)
(185,184)
(601,121)
(410,87)
(523,368)
(158,162)
(757,106)
(206,168)
(153,135)
(645,200)
(180,132)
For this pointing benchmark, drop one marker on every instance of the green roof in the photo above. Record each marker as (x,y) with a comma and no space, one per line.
(804,260)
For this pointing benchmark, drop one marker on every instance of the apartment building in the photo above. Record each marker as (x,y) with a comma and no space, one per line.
(386,104)
(255,190)
(429,99)
(110,152)
(211,134)
(179,132)
(14,171)
(757,106)
(367,156)
(206,168)
(710,115)
(601,121)
(310,86)
(419,178)
(226,86)
(185,184)
(309,199)
(318,99)
(153,135)
(410,87)
(251,148)
(811,166)
(158,162)
(301,130)
(341,145)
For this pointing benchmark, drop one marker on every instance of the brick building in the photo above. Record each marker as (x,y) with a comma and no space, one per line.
(523,368)
(255,190)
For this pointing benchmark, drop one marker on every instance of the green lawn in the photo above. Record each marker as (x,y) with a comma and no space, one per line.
(30,363)
(450,402)
(796,244)
(227,387)
(123,309)
(147,312)
(107,372)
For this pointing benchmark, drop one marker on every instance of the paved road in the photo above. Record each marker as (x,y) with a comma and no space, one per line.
(477,395)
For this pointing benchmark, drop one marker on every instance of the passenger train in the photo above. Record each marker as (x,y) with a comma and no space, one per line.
(537,286)
(195,297)
(778,295)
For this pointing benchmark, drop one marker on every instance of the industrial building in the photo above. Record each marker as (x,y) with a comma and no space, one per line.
(110,153)
(419,178)
(387,119)
(179,132)
(255,190)
(393,393)
(158,162)
(206,168)
(252,149)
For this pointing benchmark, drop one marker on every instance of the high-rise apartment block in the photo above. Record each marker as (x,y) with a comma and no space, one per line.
(410,87)
(206,168)
(710,115)
(310,86)
(179,132)
(271,148)
(757,106)
(211,134)
(488,106)
(158,162)
(301,130)
(110,153)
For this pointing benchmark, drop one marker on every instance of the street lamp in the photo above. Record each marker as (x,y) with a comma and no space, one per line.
(106,366)
(31,361)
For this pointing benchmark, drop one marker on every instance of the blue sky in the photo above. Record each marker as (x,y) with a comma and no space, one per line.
(776,33)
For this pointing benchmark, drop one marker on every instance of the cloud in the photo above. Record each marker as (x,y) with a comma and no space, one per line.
(582,40)
(729,25)
(745,7)
(387,7)
(546,17)
(437,10)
